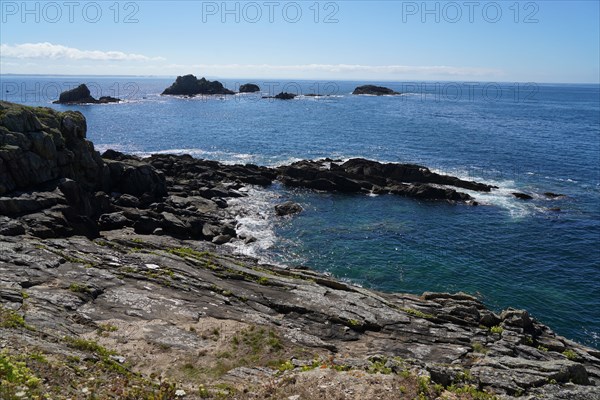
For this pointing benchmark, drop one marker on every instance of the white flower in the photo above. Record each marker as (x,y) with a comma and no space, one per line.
(180,393)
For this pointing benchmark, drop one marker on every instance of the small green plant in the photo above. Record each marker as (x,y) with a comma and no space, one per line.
(286,366)
(473,392)
(89,345)
(203,392)
(378,367)
(79,288)
(15,377)
(106,328)
(263,280)
(570,354)
(479,348)
(187,252)
(418,313)
(497,329)
(423,382)
(12,319)
(542,348)
(464,376)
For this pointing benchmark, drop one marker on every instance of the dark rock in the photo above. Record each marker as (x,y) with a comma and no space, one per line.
(136,178)
(489,319)
(282,96)
(19,203)
(108,222)
(108,99)
(145,225)
(81,95)
(127,200)
(39,145)
(553,195)
(518,318)
(189,85)
(365,176)
(174,225)
(288,208)
(374,90)
(522,196)
(10,227)
(249,88)
(285,96)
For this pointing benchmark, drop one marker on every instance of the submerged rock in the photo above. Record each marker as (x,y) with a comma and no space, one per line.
(374,90)
(189,85)
(288,208)
(282,96)
(522,196)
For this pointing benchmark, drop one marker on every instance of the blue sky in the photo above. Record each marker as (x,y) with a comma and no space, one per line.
(526,41)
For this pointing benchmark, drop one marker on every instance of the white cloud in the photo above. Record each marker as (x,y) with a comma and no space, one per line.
(56,51)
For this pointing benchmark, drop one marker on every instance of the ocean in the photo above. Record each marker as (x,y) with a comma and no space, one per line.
(542,255)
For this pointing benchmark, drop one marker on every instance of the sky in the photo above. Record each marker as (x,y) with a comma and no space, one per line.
(508,41)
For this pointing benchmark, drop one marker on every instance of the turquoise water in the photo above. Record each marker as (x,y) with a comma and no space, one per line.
(531,138)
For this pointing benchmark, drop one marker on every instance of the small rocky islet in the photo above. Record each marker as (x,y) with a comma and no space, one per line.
(82,95)
(374,90)
(116,282)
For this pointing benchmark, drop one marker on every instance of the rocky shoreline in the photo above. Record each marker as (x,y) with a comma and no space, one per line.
(114,275)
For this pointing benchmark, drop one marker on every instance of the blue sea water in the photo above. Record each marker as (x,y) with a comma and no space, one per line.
(532,138)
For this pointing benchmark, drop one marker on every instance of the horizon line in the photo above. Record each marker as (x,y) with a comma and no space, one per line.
(302,79)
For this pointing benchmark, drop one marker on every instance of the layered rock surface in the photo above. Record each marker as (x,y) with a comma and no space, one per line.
(165,298)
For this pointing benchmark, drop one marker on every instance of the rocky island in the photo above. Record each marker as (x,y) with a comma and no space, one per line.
(189,85)
(116,283)
(374,90)
(249,88)
(81,95)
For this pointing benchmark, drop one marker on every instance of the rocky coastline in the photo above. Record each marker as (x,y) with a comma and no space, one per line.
(115,284)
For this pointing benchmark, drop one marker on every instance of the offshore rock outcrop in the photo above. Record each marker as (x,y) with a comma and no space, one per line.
(374,90)
(151,292)
(189,85)
(249,88)
(81,95)
(282,96)
(365,176)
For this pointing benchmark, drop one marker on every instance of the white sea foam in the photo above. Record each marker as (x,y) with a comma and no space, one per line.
(221,156)
(255,219)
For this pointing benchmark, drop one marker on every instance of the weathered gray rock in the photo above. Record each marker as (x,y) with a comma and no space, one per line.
(155,287)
